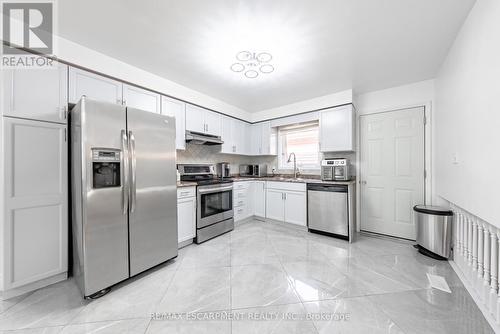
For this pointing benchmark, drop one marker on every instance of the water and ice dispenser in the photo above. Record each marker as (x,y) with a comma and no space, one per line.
(105,168)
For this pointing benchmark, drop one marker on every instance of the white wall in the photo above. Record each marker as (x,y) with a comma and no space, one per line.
(409,95)
(343,97)
(93,60)
(468,117)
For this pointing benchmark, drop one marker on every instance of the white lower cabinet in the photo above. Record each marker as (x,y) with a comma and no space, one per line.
(275,204)
(295,208)
(259,198)
(243,200)
(186,213)
(36,202)
(286,202)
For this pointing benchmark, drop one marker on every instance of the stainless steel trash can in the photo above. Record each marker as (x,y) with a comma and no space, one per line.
(434,235)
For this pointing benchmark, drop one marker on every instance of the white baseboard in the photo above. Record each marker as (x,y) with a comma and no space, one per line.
(15,292)
(476,297)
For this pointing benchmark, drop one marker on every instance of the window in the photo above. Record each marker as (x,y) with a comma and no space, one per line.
(301,139)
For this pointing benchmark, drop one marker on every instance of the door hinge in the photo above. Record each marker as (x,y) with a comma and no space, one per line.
(425,120)
(65,136)
(425,173)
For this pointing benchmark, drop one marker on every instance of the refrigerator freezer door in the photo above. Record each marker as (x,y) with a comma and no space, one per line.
(153,189)
(100,222)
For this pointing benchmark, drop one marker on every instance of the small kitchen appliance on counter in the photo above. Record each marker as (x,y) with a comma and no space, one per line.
(335,169)
(223,170)
(253,170)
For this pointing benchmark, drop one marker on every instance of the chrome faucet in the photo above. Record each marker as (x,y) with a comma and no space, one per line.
(295,172)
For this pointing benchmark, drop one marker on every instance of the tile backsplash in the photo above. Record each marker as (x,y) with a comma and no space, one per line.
(194,154)
(211,154)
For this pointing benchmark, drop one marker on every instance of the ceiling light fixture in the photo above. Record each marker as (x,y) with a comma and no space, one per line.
(252,63)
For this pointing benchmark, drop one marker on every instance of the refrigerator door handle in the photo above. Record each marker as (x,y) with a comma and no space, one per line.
(125,171)
(133,183)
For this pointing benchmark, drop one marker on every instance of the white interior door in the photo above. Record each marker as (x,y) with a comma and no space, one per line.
(392,171)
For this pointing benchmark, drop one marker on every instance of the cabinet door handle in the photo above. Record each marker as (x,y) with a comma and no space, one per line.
(124,102)
(184,193)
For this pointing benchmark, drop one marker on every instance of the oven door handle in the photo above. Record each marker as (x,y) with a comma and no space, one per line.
(214,190)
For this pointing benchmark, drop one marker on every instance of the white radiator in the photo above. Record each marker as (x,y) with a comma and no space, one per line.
(476,255)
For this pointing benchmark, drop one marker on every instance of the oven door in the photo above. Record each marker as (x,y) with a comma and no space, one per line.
(215,204)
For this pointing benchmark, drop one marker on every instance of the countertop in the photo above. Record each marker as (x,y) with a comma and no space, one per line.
(181,184)
(304,179)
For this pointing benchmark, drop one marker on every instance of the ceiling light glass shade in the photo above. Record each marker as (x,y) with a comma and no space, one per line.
(264,57)
(244,56)
(251,63)
(237,67)
(251,74)
(266,68)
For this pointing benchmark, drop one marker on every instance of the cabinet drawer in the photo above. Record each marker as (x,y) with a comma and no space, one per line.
(241,185)
(239,202)
(240,212)
(184,192)
(286,186)
(239,194)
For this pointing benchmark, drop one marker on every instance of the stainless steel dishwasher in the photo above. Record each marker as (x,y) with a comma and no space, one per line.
(328,210)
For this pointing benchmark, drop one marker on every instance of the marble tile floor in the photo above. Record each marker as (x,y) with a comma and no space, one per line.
(264,278)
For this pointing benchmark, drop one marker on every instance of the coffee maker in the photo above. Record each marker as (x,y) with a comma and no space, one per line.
(223,170)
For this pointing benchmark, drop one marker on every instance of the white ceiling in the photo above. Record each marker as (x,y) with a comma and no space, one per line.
(319,47)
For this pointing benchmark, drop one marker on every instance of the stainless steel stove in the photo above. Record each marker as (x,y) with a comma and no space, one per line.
(214,206)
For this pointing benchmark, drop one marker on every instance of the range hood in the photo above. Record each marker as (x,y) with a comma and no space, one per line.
(202,139)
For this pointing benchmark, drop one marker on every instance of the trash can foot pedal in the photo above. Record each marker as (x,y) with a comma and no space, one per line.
(428,253)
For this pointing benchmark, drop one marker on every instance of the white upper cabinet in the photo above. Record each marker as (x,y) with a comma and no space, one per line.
(337,129)
(94,86)
(229,145)
(177,109)
(36,94)
(265,144)
(255,143)
(141,99)
(195,119)
(235,136)
(203,121)
(213,122)
(261,139)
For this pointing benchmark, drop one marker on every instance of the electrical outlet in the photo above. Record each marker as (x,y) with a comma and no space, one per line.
(454,158)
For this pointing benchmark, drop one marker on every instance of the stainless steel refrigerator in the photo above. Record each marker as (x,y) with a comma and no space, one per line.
(124,197)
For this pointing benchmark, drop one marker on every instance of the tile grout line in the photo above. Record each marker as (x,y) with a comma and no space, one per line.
(292,286)
(166,290)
